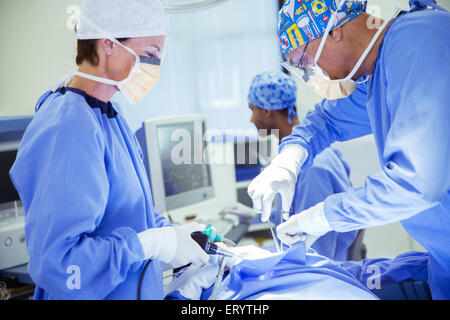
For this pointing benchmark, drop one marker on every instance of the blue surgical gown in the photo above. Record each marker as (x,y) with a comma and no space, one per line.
(409,266)
(405,105)
(80,176)
(293,274)
(328,175)
(296,274)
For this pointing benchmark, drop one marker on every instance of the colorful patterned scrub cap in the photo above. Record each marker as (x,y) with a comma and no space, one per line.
(274,90)
(302,21)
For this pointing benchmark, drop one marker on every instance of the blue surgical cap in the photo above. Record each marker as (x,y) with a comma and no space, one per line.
(301,21)
(273,90)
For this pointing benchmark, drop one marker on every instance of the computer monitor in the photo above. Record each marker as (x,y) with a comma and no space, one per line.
(11,132)
(253,151)
(252,154)
(177,159)
(8,153)
(12,236)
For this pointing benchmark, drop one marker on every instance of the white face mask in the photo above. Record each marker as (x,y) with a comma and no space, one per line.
(320,82)
(141,79)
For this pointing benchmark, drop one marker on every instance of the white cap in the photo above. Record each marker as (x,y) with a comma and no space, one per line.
(121,19)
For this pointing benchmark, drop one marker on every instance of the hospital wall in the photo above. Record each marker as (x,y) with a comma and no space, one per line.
(212,56)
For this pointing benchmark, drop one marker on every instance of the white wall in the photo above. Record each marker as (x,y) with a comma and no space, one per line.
(212,56)
(37,50)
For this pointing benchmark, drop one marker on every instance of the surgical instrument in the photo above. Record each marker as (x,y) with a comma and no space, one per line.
(209,247)
(273,236)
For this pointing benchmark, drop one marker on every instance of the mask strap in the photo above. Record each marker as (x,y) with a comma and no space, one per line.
(97,79)
(113,39)
(370,46)
(109,37)
(366,78)
(327,31)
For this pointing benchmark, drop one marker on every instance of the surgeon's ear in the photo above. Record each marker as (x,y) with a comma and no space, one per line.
(336,34)
(267,113)
(107,46)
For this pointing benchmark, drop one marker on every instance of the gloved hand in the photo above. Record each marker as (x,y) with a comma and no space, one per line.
(306,226)
(279,177)
(196,280)
(173,245)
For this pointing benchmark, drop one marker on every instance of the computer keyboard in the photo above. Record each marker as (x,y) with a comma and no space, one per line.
(228,228)
(223,226)
(231,221)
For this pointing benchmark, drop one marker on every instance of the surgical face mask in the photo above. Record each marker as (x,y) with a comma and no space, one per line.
(320,82)
(141,79)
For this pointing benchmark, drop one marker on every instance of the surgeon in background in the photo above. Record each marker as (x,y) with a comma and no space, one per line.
(389,79)
(91,228)
(272,98)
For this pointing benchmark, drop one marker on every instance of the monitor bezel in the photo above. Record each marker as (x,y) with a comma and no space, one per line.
(10,146)
(162,202)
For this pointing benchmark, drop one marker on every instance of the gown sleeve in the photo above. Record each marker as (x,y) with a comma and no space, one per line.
(331,121)
(60,173)
(161,221)
(415,175)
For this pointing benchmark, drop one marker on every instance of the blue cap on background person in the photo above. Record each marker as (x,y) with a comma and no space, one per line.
(274,90)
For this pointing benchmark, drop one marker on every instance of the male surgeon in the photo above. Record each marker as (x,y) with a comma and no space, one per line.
(390,81)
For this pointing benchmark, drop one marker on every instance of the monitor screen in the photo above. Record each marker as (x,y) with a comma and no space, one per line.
(183,167)
(252,153)
(7,191)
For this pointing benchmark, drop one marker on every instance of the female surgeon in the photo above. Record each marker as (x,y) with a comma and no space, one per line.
(92,231)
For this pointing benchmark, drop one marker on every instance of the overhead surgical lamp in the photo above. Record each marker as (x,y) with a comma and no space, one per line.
(183,6)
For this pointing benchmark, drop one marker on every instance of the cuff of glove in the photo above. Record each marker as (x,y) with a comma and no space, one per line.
(318,224)
(291,158)
(159,243)
(201,280)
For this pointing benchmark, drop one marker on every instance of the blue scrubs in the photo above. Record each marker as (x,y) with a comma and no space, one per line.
(405,105)
(328,175)
(291,275)
(409,266)
(80,175)
(296,274)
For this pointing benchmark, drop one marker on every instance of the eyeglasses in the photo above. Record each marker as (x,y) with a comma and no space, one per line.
(298,68)
(301,62)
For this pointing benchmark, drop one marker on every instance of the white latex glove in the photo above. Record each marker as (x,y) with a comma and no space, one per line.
(279,177)
(173,245)
(194,283)
(306,226)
